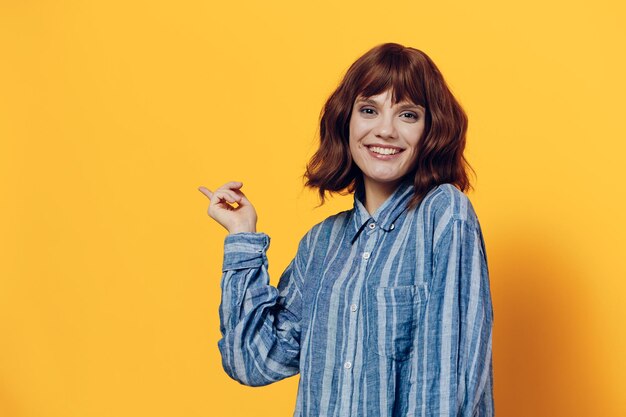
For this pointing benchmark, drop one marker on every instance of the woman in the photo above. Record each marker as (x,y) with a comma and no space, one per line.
(386,308)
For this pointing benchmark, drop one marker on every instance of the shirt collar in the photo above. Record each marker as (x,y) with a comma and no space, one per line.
(386,214)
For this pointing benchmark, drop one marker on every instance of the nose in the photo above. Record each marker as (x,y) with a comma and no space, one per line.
(385,127)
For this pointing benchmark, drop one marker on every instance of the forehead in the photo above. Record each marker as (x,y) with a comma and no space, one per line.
(381,98)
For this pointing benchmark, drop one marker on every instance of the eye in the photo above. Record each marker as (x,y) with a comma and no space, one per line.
(367,110)
(411,115)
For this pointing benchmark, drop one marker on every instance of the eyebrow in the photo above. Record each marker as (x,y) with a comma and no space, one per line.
(375,103)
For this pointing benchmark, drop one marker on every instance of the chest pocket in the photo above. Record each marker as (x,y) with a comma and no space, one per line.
(394,319)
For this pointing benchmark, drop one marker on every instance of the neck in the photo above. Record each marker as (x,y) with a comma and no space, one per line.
(377,194)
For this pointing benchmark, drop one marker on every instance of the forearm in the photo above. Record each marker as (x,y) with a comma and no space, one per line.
(259,342)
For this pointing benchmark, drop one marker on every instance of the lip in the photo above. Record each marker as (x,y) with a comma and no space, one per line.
(384,157)
(380,145)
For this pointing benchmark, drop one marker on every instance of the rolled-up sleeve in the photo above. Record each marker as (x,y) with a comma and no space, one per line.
(259,323)
(463,373)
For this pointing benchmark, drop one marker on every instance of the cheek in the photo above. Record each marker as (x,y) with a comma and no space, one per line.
(355,152)
(358,129)
(355,144)
(414,134)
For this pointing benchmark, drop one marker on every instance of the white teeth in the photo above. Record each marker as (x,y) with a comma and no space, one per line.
(384,151)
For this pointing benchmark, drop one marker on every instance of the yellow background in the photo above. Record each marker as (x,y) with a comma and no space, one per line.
(112,113)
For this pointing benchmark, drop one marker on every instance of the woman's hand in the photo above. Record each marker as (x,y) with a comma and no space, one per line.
(234,219)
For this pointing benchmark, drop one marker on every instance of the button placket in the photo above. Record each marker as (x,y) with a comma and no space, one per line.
(366,244)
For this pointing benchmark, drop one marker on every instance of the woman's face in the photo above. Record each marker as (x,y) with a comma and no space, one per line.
(383,139)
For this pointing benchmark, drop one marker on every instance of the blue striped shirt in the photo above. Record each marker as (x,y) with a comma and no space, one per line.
(382,315)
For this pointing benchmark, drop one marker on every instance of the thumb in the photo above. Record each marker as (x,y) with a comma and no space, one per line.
(244,199)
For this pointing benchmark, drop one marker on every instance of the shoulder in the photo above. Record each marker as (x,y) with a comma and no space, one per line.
(448,210)
(331,225)
(445,204)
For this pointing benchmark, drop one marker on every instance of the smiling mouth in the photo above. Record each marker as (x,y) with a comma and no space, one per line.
(384,151)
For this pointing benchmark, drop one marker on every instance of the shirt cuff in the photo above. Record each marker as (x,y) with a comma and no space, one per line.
(245,250)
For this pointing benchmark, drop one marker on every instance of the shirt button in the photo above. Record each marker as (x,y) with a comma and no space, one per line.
(392,226)
(366,255)
(372,225)
(353,307)
(347,365)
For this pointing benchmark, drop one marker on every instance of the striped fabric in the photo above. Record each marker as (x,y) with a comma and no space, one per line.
(382,315)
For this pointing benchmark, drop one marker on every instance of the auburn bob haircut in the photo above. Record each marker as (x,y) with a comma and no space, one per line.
(411,75)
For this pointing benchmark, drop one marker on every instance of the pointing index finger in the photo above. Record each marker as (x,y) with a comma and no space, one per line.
(205,191)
